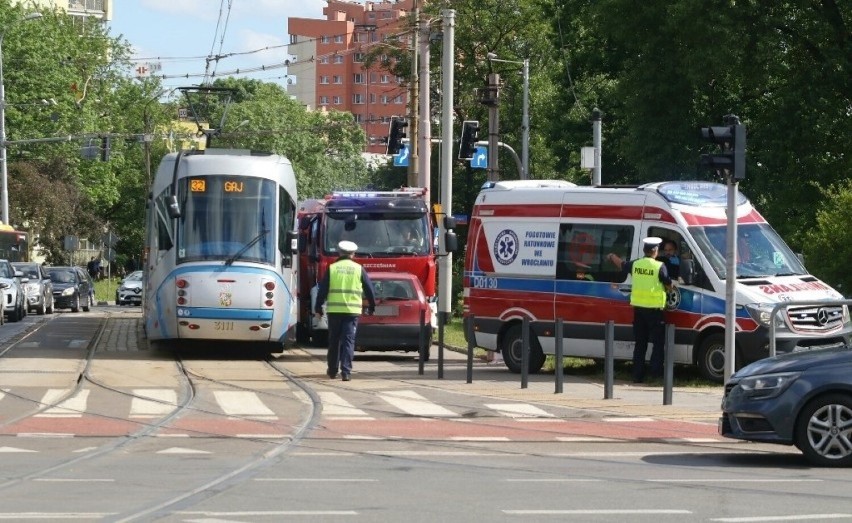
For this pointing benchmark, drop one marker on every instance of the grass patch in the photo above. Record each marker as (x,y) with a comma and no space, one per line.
(105,289)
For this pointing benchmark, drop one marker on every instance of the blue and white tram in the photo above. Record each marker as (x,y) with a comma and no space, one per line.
(220,249)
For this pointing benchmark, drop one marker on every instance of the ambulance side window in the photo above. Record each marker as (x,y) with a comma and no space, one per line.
(583,249)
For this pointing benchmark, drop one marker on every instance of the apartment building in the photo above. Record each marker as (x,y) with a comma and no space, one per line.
(328,63)
(100,9)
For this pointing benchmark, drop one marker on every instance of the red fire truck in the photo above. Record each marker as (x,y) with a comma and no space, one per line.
(393,231)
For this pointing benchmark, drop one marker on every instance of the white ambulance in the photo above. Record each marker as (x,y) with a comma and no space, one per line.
(540,250)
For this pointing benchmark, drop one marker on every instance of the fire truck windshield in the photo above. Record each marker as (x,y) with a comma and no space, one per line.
(379,234)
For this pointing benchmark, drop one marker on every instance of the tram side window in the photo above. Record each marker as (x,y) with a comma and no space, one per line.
(583,249)
(286,223)
(165,232)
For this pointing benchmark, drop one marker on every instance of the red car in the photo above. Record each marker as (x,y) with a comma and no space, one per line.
(395,325)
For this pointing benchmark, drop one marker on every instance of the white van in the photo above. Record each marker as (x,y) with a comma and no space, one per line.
(539,250)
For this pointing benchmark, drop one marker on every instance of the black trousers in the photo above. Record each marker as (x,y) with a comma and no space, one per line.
(648,326)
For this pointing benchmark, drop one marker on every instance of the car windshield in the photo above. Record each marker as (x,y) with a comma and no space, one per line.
(62,276)
(760,251)
(134,276)
(30,271)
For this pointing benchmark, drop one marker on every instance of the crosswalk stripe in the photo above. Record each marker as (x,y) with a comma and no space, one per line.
(335,407)
(244,404)
(414,404)
(73,407)
(159,402)
(519,410)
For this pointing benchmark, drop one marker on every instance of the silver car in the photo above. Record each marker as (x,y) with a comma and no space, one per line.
(14,296)
(39,288)
(130,290)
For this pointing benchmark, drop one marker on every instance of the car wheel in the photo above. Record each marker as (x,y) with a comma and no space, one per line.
(824,431)
(75,304)
(511,346)
(16,314)
(49,309)
(87,303)
(711,358)
(41,309)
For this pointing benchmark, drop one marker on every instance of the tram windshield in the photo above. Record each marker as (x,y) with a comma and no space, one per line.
(227,218)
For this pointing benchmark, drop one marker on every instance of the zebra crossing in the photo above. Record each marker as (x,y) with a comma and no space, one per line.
(391,413)
(155,403)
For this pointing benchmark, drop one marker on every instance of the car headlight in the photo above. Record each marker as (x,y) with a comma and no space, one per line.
(767,385)
(68,292)
(761,312)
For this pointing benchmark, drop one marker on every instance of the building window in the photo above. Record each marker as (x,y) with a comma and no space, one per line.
(294,39)
(325,40)
(338,39)
(338,79)
(385,99)
(323,60)
(323,100)
(324,80)
(372,98)
(338,59)
(385,78)
(337,100)
(359,118)
(358,78)
(398,100)
(358,58)
(358,99)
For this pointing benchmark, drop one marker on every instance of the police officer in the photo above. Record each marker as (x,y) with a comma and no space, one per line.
(650,281)
(344,284)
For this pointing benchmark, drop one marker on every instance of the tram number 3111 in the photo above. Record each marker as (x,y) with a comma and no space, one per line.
(223,325)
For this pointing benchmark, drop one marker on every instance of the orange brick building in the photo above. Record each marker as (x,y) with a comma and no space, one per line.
(327,68)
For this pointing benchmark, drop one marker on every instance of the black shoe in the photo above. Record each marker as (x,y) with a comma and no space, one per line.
(346,377)
(331,375)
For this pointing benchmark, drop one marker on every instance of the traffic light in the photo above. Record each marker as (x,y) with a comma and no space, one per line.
(396,134)
(732,141)
(469,137)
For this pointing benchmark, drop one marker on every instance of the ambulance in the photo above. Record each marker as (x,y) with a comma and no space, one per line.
(541,250)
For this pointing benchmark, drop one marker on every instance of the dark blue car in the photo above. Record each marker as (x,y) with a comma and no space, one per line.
(800,398)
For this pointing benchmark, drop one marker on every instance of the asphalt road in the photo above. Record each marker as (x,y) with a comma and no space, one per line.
(96,427)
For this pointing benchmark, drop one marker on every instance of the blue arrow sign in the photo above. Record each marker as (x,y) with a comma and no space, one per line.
(480,158)
(401,159)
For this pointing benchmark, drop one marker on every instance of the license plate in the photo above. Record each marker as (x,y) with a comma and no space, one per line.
(386,310)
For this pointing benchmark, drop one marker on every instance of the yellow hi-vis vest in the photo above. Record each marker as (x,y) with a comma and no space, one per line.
(648,291)
(344,288)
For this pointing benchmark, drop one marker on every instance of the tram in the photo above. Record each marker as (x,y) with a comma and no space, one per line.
(220,250)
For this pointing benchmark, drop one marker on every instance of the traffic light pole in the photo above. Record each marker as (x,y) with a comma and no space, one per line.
(445,260)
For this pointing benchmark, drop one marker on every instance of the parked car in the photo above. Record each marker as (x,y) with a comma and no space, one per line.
(799,398)
(72,288)
(39,288)
(15,305)
(395,324)
(130,290)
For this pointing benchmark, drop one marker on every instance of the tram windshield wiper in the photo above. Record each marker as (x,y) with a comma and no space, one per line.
(246,247)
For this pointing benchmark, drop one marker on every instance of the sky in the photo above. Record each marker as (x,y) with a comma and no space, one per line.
(180,34)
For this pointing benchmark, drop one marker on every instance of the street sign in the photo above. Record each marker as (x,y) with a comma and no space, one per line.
(479,160)
(401,159)
(110,239)
(146,69)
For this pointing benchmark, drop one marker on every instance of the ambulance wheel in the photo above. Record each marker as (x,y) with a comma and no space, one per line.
(711,358)
(511,346)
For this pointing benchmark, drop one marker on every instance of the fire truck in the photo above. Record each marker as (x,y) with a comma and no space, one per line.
(393,231)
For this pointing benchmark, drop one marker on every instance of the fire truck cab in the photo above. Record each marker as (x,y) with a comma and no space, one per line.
(393,231)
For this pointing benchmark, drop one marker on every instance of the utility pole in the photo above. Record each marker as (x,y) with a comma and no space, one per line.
(424,120)
(414,101)
(490,97)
